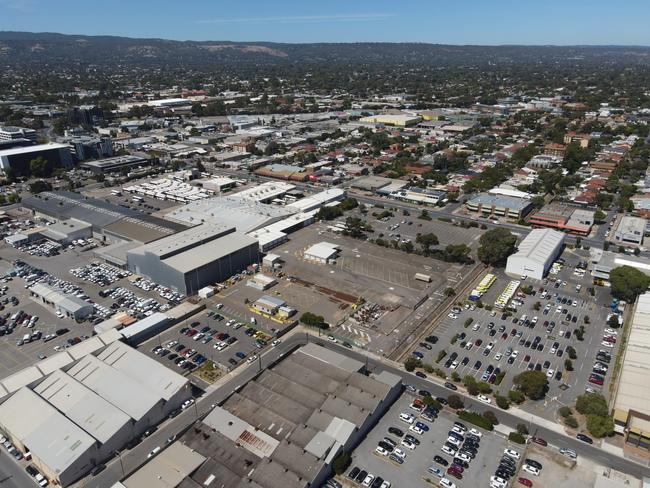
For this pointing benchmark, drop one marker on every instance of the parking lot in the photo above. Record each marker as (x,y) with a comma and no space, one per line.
(413,471)
(213,335)
(537,336)
(400,226)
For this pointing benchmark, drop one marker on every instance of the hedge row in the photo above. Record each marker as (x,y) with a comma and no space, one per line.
(475,419)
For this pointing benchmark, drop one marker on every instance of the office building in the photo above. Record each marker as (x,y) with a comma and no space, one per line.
(9,133)
(17,159)
(562,217)
(117,163)
(499,206)
(630,230)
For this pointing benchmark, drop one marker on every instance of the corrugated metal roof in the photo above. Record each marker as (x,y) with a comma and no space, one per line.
(540,244)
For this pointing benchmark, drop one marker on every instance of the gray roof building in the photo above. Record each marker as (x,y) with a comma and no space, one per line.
(284,428)
(195,258)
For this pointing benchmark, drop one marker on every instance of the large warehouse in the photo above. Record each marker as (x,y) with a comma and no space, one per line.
(195,258)
(285,427)
(78,414)
(536,254)
(632,401)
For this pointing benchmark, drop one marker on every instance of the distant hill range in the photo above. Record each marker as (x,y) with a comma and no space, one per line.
(48,48)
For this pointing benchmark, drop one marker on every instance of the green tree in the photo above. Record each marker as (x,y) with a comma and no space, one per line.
(455,402)
(627,283)
(502,402)
(490,417)
(571,421)
(516,396)
(341,463)
(313,320)
(40,167)
(496,245)
(39,185)
(600,426)
(533,384)
(592,404)
(426,241)
(612,321)
(599,216)
(449,292)
(411,363)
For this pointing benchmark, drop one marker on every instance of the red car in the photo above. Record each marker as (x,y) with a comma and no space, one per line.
(478,342)
(525,482)
(191,332)
(540,441)
(610,339)
(596,381)
(455,474)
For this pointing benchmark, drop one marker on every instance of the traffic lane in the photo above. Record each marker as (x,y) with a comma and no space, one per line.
(12,475)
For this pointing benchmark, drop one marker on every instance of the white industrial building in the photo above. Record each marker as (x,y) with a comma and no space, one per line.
(323,252)
(536,254)
(68,305)
(74,410)
(630,230)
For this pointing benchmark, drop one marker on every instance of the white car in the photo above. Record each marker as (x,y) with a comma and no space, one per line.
(454,441)
(550,373)
(607,344)
(368,481)
(511,453)
(530,469)
(406,417)
(275,342)
(464,457)
(399,453)
(482,398)
(453,365)
(447,483)
(416,429)
(187,403)
(498,356)
(476,327)
(448,450)
(407,444)
(252,359)
(514,354)
(381,451)
(385,484)
(611,332)
(476,432)
(496,482)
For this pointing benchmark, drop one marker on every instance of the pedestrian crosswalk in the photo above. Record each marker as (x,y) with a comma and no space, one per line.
(360,335)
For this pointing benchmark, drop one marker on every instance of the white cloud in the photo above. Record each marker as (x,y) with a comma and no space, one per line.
(300,19)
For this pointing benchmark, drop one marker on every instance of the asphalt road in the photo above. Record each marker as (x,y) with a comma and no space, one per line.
(138,455)
(12,475)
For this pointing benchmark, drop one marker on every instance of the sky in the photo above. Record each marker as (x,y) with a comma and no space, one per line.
(485,22)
